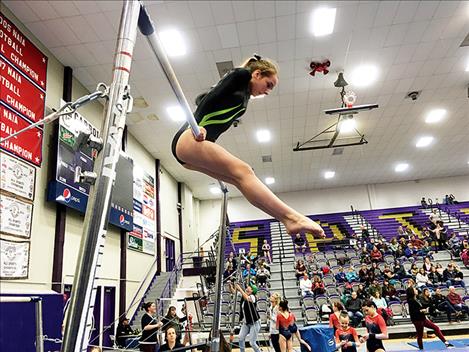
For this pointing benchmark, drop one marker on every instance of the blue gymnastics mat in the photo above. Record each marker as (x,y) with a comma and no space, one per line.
(439,346)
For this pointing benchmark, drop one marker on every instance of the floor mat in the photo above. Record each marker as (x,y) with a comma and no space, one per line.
(439,346)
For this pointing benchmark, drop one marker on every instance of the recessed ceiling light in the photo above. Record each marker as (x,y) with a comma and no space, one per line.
(176,113)
(269,180)
(173,42)
(424,142)
(364,75)
(263,136)
(329,174)
(435,115)
(401,167)
(347,125)
(323,21)
(215,190)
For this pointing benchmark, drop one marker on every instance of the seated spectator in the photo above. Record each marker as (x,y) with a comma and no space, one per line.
(354,307)
(318,286)
(361,292)
(427,265)
(452,276)
(370,245)
(439,269)
(365,233)
(394,246)
(123,331)
(422,280)
(440,303)
(249,272)
(401,233)
(434,217)
(389,292)
(375,287)
(399,271)
(266,250)
(233,261)
(363,273)
(423,203)
(465,257)
(351,275)
(382,306)
(262,276)
(306,286)
(454,242)
(300,243)
(340,276)
(456,301)
(414,270)
(425,298)
(365,256)
(300,269)
(229,271)
(389,275)
(417,243)
(410,252)
(376,255)
(378,274)
(435,277)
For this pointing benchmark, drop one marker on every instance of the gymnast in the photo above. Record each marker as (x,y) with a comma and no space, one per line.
(216,111)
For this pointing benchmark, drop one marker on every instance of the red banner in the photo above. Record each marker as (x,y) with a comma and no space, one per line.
(23,54)
(20,94)
(27,145)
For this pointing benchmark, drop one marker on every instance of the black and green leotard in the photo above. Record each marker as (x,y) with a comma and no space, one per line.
(221,106)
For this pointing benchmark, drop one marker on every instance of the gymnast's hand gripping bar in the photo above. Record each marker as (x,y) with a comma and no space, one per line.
(145,24)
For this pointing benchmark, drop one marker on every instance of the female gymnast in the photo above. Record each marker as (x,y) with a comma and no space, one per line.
(215,113)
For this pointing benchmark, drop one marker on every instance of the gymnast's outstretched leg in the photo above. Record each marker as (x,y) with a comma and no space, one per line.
(212,159)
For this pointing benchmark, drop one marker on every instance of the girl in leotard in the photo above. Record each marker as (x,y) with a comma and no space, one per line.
(286,325)
(215,113)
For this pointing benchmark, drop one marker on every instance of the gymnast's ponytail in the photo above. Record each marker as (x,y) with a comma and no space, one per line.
(266,66)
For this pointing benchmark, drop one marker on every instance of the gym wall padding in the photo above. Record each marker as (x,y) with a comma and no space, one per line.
(319,337)
(18,322)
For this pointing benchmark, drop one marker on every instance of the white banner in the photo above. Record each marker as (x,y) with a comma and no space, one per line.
(15,216)
(14,260)
(17,177)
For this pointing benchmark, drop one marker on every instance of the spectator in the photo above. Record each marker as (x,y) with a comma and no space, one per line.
(365,256)
(410,251)
(340,277)
(150,327)
(273,331)
(394,246)
(375,287)
(300,269)
(300,243)
(171,341)
(262,276)
(354,306)
(317,286)
(425,298)
(376,270)
(422,280)
(418,318)
(401,233)
(306,286)
(363,273)
(361,292)
(229,271)
(456,301)
(337,307)
(123,331)
(417,243)
(171,320)
(346,337)
(389,275)
(351,275)
(423,203)
(435,277)
(249,272)
(452,276)
(266,250)
(379,300)
(233,261)
(439,269)
(376,255)
(399,271)
(389,292)
(441,303)
(434,217)
(454,242)
(365,233)
(414,270)
(427,265)
(452,199)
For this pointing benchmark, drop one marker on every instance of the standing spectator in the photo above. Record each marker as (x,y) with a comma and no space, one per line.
(171,320)
(346,336)
(441,303)
(456,301)
(150,327)
(376,327)
(273,331)
(249,316)
(306,286)
(354,307)
(423,203)
(300,243)
(418,318)
(266,250)
(337,307)
(452,276)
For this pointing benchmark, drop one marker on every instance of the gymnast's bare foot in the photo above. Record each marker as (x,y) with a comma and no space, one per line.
(301,224)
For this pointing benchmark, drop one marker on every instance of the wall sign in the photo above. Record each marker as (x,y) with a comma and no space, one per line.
(16,216)
(17,177)
(14,259)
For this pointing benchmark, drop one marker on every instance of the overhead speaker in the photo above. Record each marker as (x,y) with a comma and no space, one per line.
(340,82)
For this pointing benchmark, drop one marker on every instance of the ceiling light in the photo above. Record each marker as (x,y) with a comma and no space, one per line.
(258,96)
(176,113)
(263,136)
(424,142)
(364,75)
(347,125)
(323,21)
(173,42)
(401,167)
(435,115)
(467,66)
(269,180)
(329,174)
(215,190)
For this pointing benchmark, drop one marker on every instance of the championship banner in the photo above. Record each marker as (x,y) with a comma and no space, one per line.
(15,216)
(17,177)
(14,259)
(143,236)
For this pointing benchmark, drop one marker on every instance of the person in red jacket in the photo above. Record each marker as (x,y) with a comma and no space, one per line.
(456,301)
(376,255)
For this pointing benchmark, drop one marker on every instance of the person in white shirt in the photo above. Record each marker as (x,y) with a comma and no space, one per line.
(421,279)
(273,331)
(305,286)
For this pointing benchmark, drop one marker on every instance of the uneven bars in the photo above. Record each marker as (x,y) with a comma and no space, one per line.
(145,24)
